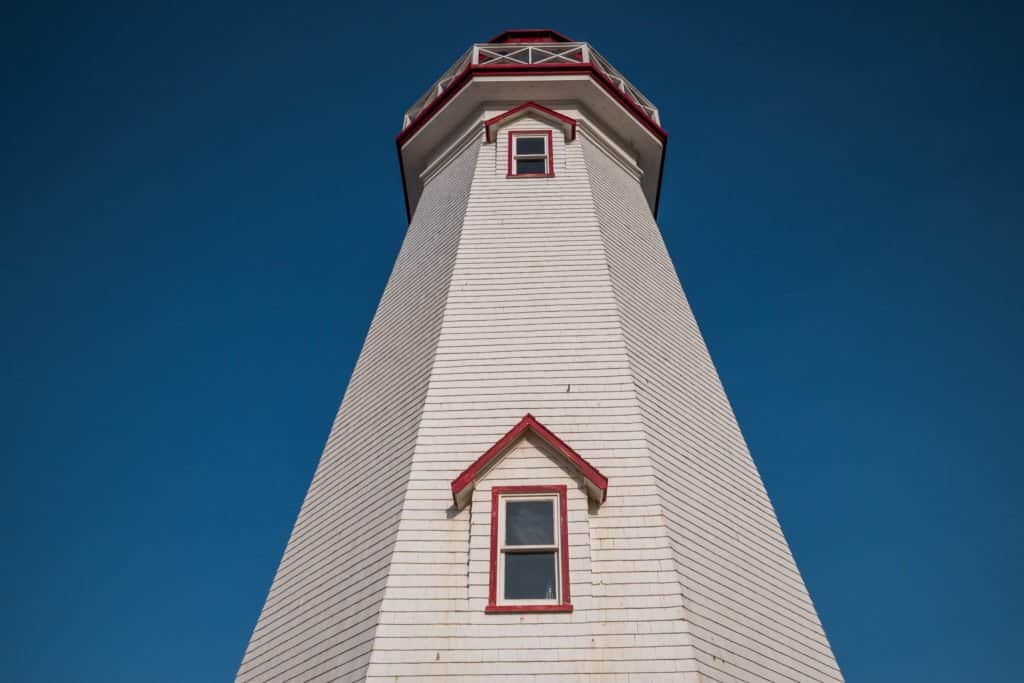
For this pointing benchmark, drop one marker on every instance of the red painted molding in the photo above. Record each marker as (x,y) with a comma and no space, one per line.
(529,423)
(512,134)
(530,35)
(541,109)
(565,605)
(498,609)
(526,70)
(492,583)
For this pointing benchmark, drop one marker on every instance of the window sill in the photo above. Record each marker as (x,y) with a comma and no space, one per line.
(499,609)
(530,175)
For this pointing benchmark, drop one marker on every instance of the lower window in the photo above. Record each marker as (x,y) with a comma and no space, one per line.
(529,549)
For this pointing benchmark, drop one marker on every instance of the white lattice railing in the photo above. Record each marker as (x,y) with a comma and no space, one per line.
(528,54)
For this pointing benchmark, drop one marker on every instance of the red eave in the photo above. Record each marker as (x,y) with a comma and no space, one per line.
(469,72)
(529,423)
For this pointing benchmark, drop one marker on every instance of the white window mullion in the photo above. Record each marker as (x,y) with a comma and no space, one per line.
(543,156)
(552,549)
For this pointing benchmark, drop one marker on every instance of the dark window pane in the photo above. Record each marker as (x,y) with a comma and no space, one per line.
(531,166)
(530,576)
(529,145)
(530,522)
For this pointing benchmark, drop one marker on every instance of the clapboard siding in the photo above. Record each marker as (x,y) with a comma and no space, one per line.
(322,609)
(553,296)
(531,325)
(750,615)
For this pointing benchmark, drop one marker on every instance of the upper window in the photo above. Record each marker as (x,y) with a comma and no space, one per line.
(529,153)
(529,553)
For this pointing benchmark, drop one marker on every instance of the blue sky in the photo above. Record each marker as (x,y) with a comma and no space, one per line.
(201,204)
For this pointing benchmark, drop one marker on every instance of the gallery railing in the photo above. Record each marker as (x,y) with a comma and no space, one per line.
(530,54)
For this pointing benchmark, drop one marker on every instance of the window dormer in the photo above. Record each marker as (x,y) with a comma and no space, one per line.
(530,149)
(529,549)
(534,488)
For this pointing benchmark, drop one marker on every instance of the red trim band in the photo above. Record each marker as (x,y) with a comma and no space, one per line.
(521,70)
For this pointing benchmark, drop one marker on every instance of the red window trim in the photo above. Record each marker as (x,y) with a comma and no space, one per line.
(512,134)
(565,605)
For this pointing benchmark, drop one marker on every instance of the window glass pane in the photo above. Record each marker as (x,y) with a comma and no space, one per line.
(531,166)
(529,522)
(530,576)
(529,145)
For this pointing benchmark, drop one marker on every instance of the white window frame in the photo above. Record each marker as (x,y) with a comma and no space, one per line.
(514,157)
(504,548)
(557,494)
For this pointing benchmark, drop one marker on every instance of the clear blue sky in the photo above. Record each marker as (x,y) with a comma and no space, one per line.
(201,204)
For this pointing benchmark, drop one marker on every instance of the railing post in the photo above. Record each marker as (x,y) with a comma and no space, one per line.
(586,53)
(475,59)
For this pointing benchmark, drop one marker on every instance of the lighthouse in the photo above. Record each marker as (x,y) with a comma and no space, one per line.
(535,474)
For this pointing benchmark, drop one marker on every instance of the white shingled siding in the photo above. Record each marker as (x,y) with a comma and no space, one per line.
(553,296)
(319,617)
(751,616)
(531,326)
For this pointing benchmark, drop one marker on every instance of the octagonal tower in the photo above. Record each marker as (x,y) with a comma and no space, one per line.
(535,474)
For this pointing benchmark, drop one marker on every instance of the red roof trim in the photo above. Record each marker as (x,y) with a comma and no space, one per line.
(529,422)
(530,35)
(567,120)
(519,70)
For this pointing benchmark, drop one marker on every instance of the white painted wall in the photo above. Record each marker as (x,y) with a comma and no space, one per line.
(531,326)
(751,616)
(319,618)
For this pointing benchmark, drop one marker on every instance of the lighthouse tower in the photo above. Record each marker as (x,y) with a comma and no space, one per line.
(535,474)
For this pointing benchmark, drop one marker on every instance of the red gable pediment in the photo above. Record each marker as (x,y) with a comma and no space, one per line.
(566,123)
(595,482)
